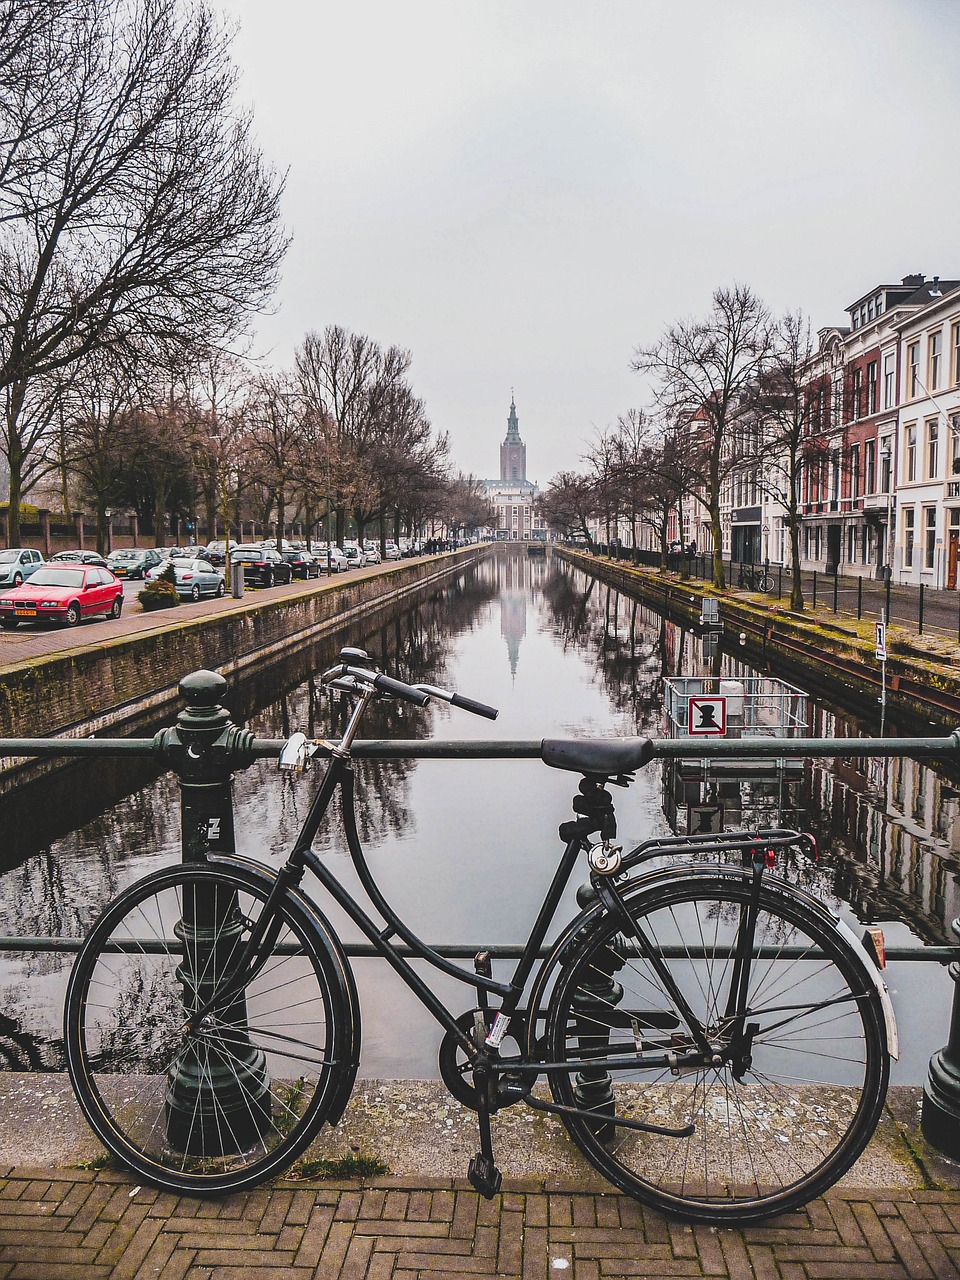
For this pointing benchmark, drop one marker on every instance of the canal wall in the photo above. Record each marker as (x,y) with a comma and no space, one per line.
(832,652)
(110,688)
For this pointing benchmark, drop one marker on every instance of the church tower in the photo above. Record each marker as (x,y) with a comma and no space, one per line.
(513,452)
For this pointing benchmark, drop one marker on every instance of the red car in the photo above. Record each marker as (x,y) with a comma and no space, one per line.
(67,592)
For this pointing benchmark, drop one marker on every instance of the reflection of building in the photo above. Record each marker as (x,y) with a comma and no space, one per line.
(513,494)
(517,575)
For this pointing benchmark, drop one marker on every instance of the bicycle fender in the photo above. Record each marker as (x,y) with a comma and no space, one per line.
(841,926)
(889,1018)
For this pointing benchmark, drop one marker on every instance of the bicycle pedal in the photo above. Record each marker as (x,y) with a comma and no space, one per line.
(484,1176)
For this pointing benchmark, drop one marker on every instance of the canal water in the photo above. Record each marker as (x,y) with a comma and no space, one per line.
(465,848)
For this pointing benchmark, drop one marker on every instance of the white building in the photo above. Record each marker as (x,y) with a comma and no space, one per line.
(513,495)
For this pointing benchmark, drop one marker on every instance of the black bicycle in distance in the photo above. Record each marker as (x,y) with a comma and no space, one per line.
(714,1039)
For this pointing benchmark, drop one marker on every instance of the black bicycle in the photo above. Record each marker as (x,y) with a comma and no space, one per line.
(715,1040)
(754,577)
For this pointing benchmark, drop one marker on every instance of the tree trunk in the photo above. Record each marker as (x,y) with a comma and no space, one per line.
(796,587)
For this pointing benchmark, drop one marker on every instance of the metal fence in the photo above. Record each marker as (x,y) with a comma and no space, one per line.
(917,607)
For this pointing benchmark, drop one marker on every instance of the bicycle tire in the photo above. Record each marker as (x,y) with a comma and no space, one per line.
(223,1107)
(790,1127)
(764,582)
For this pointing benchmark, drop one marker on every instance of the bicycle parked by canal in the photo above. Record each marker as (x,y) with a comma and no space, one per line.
(714,1039)
(755,577)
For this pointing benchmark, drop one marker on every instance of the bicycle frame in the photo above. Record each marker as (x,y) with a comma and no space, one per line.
(339,775)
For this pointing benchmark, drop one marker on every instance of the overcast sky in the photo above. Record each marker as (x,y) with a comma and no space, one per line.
(523,191)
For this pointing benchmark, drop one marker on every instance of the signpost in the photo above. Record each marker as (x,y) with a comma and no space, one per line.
(707,717)
(881,656)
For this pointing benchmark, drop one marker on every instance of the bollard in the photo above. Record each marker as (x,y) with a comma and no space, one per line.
(940,1110)
(236,579)
(215,1103)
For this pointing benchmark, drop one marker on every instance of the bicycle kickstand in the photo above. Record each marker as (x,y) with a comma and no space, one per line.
(483,1174)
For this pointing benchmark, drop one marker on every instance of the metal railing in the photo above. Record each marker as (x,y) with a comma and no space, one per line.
(204,748)
(910,605)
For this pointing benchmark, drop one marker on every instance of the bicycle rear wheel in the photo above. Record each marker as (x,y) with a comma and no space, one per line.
(219,1107)
(772,1130)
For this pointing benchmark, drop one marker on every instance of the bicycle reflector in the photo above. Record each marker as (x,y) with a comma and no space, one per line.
(875,946)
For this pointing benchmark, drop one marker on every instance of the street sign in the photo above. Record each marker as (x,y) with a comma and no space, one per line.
(707,717)
(881,642)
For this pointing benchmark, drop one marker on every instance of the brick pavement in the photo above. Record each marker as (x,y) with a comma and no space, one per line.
(83,1225)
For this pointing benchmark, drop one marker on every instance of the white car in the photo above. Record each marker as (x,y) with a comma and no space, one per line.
(391,551)
(355,557)
(371,553)
(330,559)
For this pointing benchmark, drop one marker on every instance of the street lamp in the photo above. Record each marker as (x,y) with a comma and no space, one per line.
(108,516)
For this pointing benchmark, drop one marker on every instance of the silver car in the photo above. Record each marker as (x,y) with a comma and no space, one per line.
(195,578)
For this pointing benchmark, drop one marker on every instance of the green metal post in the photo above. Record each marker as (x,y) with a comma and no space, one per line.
(217,1095)
(940,1110)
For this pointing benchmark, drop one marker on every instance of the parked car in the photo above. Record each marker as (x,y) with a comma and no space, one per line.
(216,552)
(64,592)
(262,566)
(330,559)
(371,553)
(391,551)
(303,563)
(18,563)
(93,558)
(133,562)
(354,556)
(195,578)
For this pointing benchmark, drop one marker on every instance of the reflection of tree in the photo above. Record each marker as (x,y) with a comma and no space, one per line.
(415,645)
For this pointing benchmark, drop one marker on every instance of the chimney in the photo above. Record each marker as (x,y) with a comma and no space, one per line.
(914,282)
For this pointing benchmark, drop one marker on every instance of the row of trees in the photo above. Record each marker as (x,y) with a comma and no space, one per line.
(729,391)
(140,232)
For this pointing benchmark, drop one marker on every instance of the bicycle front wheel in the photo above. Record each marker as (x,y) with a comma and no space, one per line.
(794,1088)
(221,1105)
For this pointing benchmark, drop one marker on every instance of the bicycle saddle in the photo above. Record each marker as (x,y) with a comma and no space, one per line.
(606,756)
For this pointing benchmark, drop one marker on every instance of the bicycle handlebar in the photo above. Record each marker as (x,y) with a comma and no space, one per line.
(399,690)
(478,708)
(346,677)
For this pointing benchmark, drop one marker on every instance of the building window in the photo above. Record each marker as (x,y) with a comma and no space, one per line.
(913,370)
(955,343)
(929,536)
(870,467)
(890,378)
(872,387)
(854,475)
(886,463)
(934,351)
(910,453)
(856,406)
(933,449)
(908,537)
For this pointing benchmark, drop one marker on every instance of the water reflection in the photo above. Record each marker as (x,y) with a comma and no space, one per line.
(463,848)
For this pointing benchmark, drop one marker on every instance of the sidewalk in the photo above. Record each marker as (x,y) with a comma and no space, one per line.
(66,1225)
(897,1214)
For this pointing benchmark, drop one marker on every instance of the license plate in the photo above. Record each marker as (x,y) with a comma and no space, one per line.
(25,613)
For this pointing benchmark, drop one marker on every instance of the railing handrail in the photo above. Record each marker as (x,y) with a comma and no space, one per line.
(467,749)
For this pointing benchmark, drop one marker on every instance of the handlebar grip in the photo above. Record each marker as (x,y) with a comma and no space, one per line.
(478,708)
(400,690)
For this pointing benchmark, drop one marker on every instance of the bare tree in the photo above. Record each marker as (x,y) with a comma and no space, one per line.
(780,403)
(568,504)
(702,369)
(141,214)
